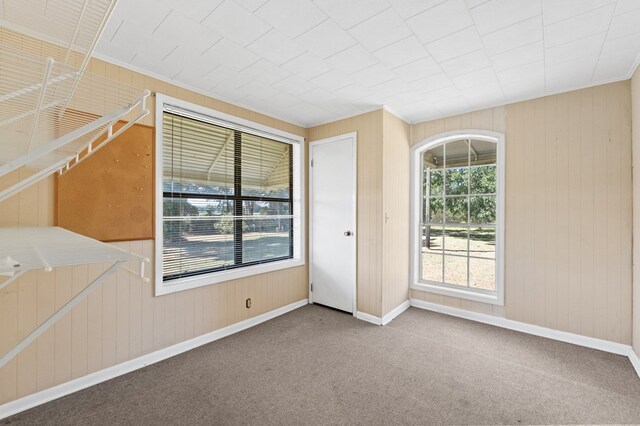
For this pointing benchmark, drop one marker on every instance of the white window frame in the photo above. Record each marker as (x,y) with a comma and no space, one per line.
(236,123)
(416,283)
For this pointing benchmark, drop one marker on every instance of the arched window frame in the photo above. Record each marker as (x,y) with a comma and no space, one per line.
(497,297)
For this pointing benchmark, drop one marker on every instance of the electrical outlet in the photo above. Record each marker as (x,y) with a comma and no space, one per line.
(248,303)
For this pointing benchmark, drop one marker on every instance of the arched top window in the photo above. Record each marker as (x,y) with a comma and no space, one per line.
(458,215)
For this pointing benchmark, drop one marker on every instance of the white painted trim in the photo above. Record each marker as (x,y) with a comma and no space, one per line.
(385,319)
(297,144)
(563,336)
(415,197)
(368,318)
(635,360)
(395,312)
(354,137)
(33,400)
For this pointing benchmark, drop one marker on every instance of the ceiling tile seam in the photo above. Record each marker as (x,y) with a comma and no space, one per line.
(423,44)
(378,61)
(210,47)
(412,62)
(316,76)
(212,10)
(593,73)
(578,39)
(478,5)
(312,28)
(511,25)
(116,31)
(398,41)
(343,50)
(160,23)
(294,58)
(260,37)
(511,50)
(369,18)
(211,70)
(254,62)
(582,13)
(484,46)
(448,35)
(421,12)
(169,54)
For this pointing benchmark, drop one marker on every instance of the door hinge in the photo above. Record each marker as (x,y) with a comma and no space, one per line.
(311,286)
(311,163)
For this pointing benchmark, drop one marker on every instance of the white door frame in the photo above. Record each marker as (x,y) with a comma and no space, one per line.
(354,137)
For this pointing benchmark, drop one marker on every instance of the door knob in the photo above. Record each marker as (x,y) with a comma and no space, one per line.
(347,233)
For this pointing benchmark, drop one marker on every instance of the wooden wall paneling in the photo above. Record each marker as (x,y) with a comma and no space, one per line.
(123,302)
(562,213)
(550,213)
(9,333)
(538,197)
(45,343)
(182,302)
(62,346)
(158,321)
(586,215)
(135,303)
(79,324)
(620,134)
(635,125)
(626,230)
(600,172)
(528,141)
(514,217)
(395,183)
(147,320)
(573,139)
(109,321)
(170,319)
(94,321)
(27,316)
(198,312)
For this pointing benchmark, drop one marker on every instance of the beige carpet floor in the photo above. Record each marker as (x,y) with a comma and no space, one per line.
(319,366)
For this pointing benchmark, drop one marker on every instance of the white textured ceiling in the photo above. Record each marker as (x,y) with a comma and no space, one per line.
(312,62)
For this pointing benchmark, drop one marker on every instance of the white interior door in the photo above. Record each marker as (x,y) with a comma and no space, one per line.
(332,203)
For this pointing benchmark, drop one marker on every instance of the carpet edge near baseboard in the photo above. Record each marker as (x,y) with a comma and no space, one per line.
(549,333)
(22,404)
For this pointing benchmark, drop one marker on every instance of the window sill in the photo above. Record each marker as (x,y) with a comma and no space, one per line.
(187,283)
(493,299)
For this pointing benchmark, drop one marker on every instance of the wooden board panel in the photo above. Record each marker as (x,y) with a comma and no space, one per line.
(109,196)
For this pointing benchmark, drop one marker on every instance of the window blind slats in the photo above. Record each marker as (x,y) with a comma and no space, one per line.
(227,198)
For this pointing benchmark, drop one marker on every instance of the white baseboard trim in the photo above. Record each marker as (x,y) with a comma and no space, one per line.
(33,400)
(563,336)
(395,312)
(635,360)
(368,318)
(385,319)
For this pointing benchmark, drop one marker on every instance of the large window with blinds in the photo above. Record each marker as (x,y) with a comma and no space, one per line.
(230,199)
